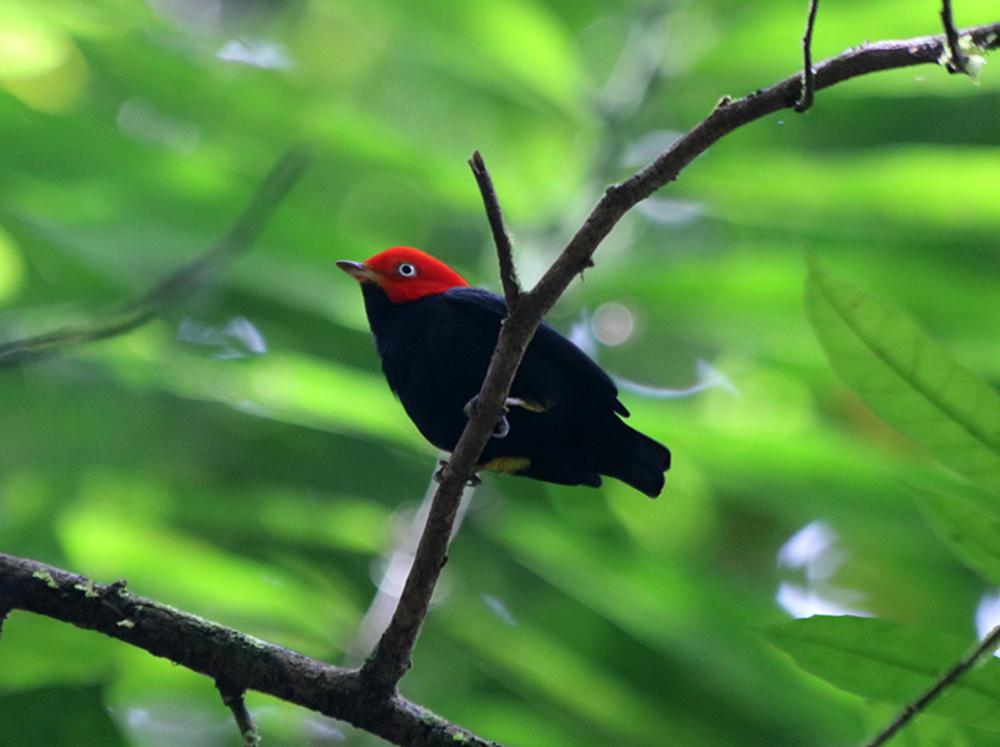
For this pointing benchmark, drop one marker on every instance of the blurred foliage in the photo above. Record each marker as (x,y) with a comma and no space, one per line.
(242,458)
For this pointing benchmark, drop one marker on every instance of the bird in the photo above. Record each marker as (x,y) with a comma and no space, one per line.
(435,335)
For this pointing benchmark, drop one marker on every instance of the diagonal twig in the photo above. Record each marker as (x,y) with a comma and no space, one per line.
(955,60)
(505,256)
(805,101)
(136,312)
(987,646)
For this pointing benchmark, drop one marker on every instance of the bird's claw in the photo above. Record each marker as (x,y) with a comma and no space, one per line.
(470,407)
(502,428)
(473,481)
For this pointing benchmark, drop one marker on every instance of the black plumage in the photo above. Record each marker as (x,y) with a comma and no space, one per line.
(435,351)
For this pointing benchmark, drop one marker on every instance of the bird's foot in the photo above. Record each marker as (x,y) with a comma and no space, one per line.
(502,428)
(470,407)
(473,481)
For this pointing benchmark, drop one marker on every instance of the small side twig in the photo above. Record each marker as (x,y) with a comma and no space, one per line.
(232,697)
(505,256)
(805,101)
(136,312)
(987,646)
(955,59)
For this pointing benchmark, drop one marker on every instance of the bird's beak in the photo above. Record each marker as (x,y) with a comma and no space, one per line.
(357,270)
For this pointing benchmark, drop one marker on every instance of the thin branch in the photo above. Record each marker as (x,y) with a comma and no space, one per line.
(949,678)
(225,655)
(955,59)
(397,564)
(136,312)
(620,198)
(391,658)
(505,255)
(805,101)
(232,697)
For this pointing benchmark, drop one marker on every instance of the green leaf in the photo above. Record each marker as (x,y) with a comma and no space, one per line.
(912,383)
(972,533)
(892,663)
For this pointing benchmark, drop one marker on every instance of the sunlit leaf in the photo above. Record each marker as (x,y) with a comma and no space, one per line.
(11,266)
(29,46)
(872,187)
(330,521)
(283,386)
(527,43)
(229,588)
(907,379)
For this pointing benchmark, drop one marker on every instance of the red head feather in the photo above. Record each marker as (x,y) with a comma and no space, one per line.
(405,274)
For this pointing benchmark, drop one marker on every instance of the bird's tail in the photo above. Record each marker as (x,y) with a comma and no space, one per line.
(635,459)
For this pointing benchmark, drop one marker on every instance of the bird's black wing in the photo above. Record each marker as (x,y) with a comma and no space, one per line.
(492,308)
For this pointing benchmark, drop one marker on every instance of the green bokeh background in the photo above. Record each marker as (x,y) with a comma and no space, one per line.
(267,490)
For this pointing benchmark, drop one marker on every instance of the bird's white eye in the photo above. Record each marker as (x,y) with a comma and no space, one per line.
(406,270)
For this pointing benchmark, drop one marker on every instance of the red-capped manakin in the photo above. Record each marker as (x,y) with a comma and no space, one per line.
(435,336)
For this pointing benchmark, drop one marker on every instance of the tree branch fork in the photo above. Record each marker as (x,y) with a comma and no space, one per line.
(234,660)
(368,697)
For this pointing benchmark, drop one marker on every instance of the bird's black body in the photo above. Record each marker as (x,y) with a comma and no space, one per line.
(435,352)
